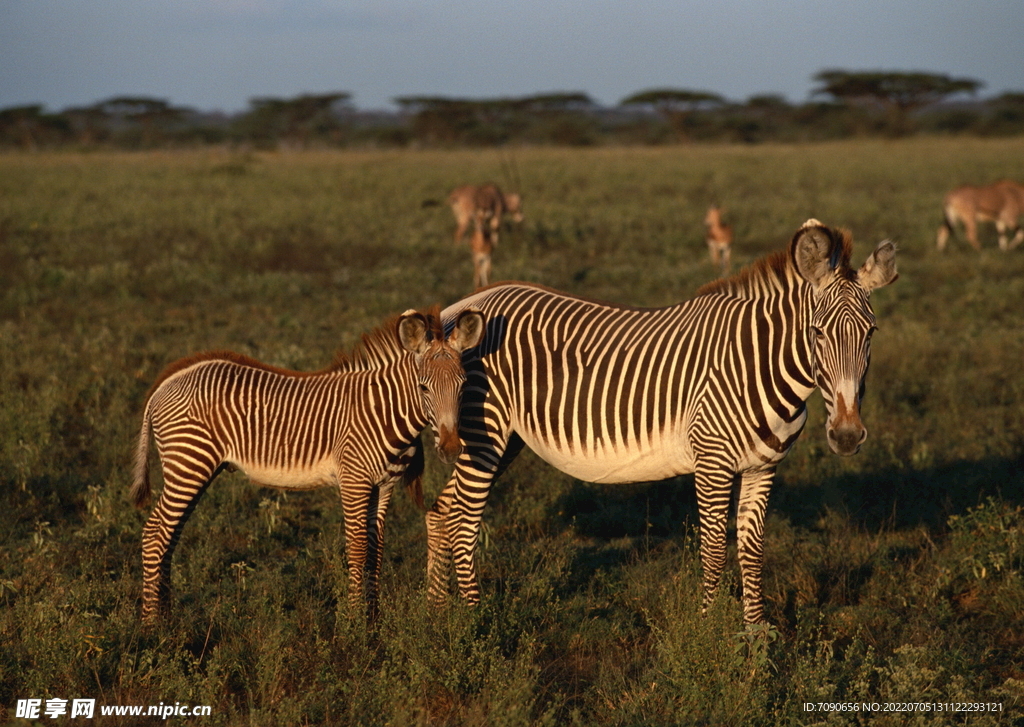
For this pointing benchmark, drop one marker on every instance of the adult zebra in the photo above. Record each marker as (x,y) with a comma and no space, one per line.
(355,424)
(716,385)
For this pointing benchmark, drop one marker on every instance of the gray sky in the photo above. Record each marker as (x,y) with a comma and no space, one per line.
(217,54)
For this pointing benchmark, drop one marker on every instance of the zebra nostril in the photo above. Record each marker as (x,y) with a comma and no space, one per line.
(845,441)
(863,437)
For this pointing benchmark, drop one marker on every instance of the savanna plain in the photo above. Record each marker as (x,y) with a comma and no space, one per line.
(895,576)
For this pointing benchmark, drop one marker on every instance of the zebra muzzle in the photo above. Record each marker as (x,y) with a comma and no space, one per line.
(449,445)
(846,432)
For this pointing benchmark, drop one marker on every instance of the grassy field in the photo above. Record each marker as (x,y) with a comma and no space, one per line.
(895,576)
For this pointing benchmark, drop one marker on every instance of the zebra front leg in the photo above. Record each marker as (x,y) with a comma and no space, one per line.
(463,528)
(439,547)
(359,502)
(714,487)
(471,484)
(755,486)
(476,470)
(375,545)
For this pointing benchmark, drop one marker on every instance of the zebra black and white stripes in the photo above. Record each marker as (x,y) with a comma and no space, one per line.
(716,385)
(355,424)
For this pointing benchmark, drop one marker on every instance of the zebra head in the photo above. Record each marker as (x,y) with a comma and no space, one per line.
(841,323)
(439,371)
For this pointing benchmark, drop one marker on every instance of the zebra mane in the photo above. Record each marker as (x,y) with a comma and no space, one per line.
(777,271)
(381,346)
(376,349)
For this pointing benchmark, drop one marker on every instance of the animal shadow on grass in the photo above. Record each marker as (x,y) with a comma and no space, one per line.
(643,516)
(638,517)
(897,499)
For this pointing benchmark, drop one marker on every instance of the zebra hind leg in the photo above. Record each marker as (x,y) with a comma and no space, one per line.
(180,495)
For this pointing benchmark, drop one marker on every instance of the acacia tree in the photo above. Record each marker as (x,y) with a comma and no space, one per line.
(676,105)
(899,94)
(30,126)
(440,119)
(21,125)
(151,116)
(296,120)
(90,124)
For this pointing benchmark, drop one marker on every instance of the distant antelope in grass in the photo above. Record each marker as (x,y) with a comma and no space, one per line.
(355,424)
(482,246)
(719,239)
(483,206)
(1002,203)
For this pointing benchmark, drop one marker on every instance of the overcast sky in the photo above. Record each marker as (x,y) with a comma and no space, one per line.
(217,54)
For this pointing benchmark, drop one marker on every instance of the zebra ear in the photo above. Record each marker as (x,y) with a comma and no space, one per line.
(469,330)
(412,332)
(880,268)
(815,252)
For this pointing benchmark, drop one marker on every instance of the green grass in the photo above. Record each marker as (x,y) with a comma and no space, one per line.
(895,575)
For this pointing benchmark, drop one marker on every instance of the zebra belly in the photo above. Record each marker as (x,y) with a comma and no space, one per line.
(668,457)
(291,478)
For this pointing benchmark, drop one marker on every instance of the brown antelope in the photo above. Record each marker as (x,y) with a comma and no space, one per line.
(482,245)
(1002,203)
(483,206)
(719,239)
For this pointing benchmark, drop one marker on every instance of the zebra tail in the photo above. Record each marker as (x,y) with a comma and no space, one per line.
(140,492)
(412,478)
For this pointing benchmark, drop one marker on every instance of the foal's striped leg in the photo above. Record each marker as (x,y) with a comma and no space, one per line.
(376,512)
(358,499)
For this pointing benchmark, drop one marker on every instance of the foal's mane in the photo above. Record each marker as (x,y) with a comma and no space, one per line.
(376,349)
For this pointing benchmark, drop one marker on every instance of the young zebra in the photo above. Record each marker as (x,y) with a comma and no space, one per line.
(355,424)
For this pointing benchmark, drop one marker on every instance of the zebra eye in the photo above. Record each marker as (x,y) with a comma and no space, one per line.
(423,388)
(818,333)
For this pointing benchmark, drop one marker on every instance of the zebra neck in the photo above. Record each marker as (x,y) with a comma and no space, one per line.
(782,323)
(394,394)
(802,367)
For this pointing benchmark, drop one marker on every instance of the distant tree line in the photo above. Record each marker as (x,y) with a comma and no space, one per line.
(843,104)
